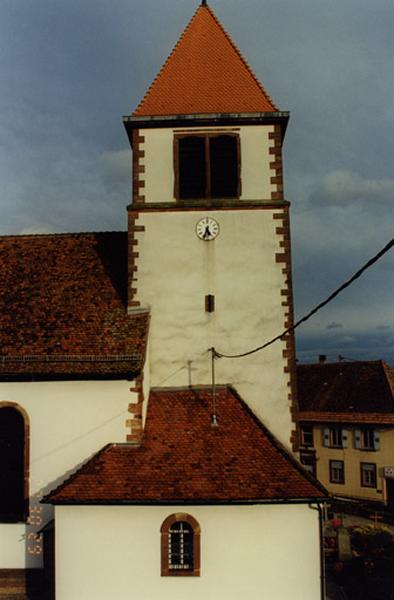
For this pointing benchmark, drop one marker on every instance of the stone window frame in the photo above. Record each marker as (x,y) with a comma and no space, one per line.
(206,135)
(307,435)
(165,533)
(308,461)
(339,468)
(26,462)
(368,468)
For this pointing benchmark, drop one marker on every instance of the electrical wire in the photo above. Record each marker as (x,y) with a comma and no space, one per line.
(347,283)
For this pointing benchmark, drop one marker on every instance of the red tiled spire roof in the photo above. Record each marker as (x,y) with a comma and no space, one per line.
(205,73)
(183,458)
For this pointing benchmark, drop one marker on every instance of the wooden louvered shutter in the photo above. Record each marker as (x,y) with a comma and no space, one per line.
(326,437)
(357,438)
(344,438)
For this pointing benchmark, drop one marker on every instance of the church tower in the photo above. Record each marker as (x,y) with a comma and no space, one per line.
(209,242)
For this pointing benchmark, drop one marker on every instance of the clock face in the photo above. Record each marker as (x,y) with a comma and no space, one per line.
(207,229)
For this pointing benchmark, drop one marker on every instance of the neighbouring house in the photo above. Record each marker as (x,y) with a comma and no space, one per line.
(165,470)
(346,417)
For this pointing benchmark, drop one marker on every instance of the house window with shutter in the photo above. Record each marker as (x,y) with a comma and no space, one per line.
(368,475)
(367,438)
(180,546)
(207,165)
(308,461)
(337,471)
(335,437)
(306,434)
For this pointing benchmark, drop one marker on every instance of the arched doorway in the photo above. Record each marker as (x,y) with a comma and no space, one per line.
(13,464)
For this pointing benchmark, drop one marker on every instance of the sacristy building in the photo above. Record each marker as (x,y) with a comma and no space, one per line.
(165,470)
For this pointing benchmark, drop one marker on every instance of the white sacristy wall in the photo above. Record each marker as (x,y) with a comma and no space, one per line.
(100,549)
(255,159)
(68,422)
(176,270)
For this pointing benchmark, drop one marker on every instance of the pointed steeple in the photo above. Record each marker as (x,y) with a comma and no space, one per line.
(205,74)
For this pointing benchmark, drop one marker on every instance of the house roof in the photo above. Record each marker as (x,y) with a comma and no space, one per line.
(346,391)
(204,74)
(63,307)
(183,458)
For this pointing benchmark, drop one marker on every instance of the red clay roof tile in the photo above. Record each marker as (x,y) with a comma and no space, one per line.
(183,458)
(205,73)
(63,306)
(353,387)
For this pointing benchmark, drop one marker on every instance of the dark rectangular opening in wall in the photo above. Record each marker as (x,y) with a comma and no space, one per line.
(209,303)
(224,166)
(192,167)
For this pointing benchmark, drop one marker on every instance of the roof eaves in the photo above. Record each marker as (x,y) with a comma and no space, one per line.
(354,418)
(277,114)
(188,502)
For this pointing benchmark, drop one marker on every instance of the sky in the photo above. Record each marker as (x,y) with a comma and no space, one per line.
(70,70)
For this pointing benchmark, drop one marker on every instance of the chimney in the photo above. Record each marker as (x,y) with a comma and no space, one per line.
(322,359)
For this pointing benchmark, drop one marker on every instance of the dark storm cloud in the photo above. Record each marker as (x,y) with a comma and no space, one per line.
(334,325)
(70,70)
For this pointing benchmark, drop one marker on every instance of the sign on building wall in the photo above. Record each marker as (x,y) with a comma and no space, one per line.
(388,472)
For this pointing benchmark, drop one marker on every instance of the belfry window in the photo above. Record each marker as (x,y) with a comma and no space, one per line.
(12,465)
(207,166)
(180,546)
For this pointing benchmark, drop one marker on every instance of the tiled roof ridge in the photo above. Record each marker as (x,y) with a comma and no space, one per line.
(180,39)
(76,471)
(275,442)
(342,363)
(61,234)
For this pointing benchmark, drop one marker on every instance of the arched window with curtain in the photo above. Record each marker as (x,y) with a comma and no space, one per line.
(180,546)
(13,464)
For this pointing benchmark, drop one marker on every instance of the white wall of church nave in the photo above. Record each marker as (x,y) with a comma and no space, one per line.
(68,421)
(175,272)
(248,552)
(255,162)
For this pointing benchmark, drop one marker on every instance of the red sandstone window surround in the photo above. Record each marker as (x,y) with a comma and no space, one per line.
(207,165)
(180,546)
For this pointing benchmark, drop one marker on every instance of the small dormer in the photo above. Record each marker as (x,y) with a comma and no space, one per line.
(206,131)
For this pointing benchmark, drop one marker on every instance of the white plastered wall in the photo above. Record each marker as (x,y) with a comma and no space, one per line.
(255,160)
(248,552)
(175,272)
(68,422)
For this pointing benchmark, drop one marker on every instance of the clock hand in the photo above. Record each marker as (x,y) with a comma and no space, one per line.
(207,233)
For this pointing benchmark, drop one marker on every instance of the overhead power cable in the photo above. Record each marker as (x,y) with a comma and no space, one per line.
(331,297)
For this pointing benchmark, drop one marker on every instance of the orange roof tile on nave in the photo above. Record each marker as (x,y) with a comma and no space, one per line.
(205,74)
